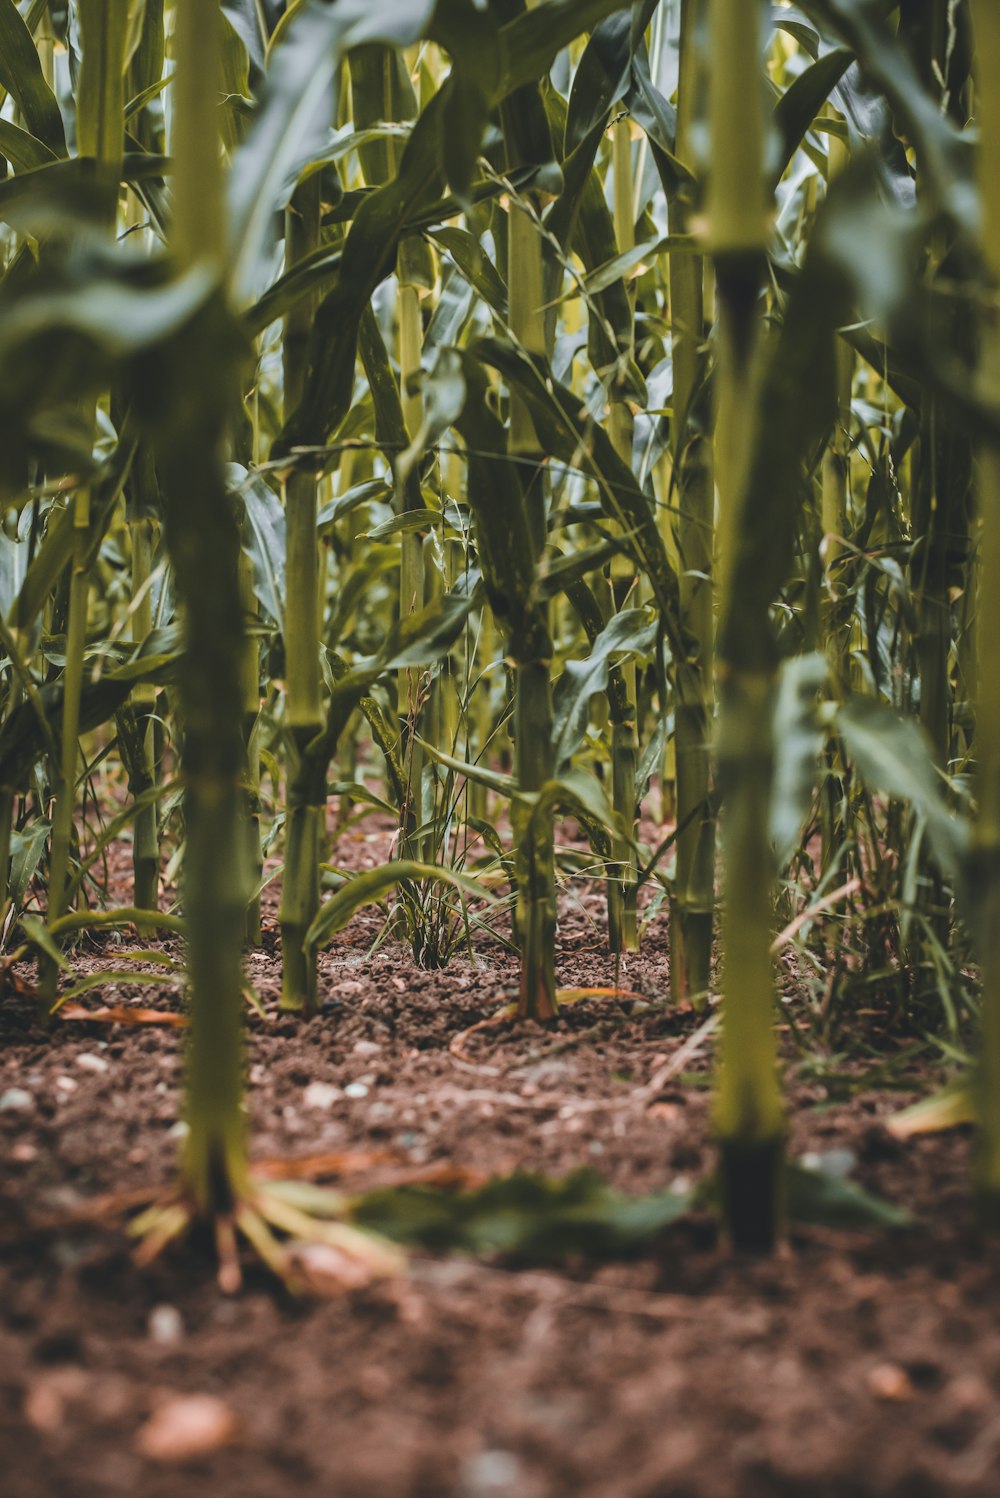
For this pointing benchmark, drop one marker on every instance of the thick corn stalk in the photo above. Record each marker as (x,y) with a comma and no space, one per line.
(204,545)
(748,1111)
(692,920)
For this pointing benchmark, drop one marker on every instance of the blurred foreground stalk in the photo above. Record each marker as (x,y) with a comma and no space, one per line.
(986,828)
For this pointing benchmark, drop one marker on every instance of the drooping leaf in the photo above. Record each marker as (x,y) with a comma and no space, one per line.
(370,886)
(949,1108)
(826,1198)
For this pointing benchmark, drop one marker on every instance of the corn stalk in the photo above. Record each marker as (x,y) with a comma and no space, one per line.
(101,132)
(986,19)
(694,892)
(306,775)
(748,1112)
(204,545)
(623,932)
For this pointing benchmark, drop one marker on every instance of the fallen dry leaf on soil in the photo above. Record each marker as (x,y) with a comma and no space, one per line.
(122,1014)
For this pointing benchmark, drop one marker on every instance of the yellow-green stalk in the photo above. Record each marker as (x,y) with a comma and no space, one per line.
(204,544)
(306,776)
(692,922)
(748,1112)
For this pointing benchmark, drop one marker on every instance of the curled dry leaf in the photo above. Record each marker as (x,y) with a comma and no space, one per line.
(122,1014)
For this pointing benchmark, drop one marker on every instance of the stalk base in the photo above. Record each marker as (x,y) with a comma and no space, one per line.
(751,1190)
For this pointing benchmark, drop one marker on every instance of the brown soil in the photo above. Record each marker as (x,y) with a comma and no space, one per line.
(848,1365)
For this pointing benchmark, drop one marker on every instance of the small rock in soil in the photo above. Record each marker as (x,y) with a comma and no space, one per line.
(88,1061)
(185,1427)
(890,1382)
(15,1100)
(165,1325)
(321,1095)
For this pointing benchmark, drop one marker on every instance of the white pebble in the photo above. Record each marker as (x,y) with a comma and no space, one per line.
(87,1061)
(165,1325)
(356,1089)
(15,1099)
(321,1095)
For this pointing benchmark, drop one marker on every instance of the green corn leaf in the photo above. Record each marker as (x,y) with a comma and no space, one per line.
(630,634)
(570,436)
(950,1108)
(798,739)
(301,67)
(471,37)
(893,758)
(352,499)
(24,151)
(801,103)
(825,1198)
(529,43)
(946,161)
(475,265)
(244,16)
(493,780)
(409,520)
(443,392)
(577,792)
(601,78)
(263,537)
(26,849)
(21,75)
(425,635)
